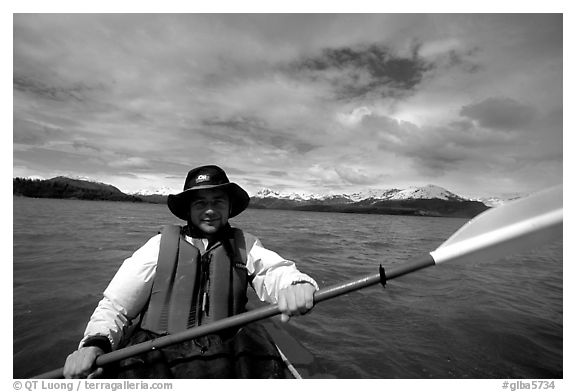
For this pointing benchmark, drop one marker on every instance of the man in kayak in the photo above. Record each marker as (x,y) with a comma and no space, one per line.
(189,276)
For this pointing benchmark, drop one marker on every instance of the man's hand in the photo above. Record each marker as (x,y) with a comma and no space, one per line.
(80,364)
(295,300)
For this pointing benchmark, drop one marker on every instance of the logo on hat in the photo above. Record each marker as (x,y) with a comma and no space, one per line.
(202,178)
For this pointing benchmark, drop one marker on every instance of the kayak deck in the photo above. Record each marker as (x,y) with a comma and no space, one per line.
(299,361)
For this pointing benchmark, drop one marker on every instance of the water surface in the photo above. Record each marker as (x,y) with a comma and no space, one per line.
(499,319)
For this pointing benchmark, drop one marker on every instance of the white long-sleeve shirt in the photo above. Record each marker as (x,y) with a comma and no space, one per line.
(129,290)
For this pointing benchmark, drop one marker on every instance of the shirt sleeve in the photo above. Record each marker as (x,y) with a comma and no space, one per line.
(126,295)
(271,273)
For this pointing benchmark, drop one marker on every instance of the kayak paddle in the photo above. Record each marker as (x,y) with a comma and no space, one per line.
(498,232)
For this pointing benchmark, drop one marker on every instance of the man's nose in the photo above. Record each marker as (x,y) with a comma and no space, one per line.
(210,206)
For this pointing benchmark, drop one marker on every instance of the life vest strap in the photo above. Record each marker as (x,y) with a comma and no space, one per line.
(157,312)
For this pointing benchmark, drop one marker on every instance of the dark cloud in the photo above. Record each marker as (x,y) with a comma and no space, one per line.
(238,131)
(499,113)
(436,161)
(354,176)
(276,173)
(435,151)
(356,72)
(74,92)
(243,125)
(79,145)
(252,130)
(462,60)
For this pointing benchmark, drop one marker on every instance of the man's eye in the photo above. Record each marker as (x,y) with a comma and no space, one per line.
(199,204)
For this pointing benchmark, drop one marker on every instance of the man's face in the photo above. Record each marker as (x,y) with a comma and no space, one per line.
(209,210)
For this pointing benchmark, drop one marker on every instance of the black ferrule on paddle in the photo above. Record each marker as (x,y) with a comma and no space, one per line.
(382,276)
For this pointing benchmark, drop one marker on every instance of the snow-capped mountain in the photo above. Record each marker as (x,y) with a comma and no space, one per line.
(266,192)
(424,192)
(163,191)
(33,177)
(84,178)
(429,200)
(376,194)
(495,201)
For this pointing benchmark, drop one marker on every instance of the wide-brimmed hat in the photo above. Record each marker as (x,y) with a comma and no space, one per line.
(207,177)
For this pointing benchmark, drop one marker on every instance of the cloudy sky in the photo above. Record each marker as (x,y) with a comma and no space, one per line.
(323,103)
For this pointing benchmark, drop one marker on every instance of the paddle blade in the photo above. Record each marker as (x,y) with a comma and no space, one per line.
(518,226)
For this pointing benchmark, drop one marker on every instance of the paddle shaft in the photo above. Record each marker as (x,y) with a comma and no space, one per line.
(251,316)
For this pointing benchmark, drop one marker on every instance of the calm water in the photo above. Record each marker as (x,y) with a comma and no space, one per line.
(485,320)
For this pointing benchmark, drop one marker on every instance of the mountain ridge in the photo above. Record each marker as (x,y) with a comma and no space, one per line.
(414,192)
(69,188)
(428,200)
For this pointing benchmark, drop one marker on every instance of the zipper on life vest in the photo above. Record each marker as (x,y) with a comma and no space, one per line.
(203,307)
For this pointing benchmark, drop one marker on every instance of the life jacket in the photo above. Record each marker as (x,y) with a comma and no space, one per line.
(191,288)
